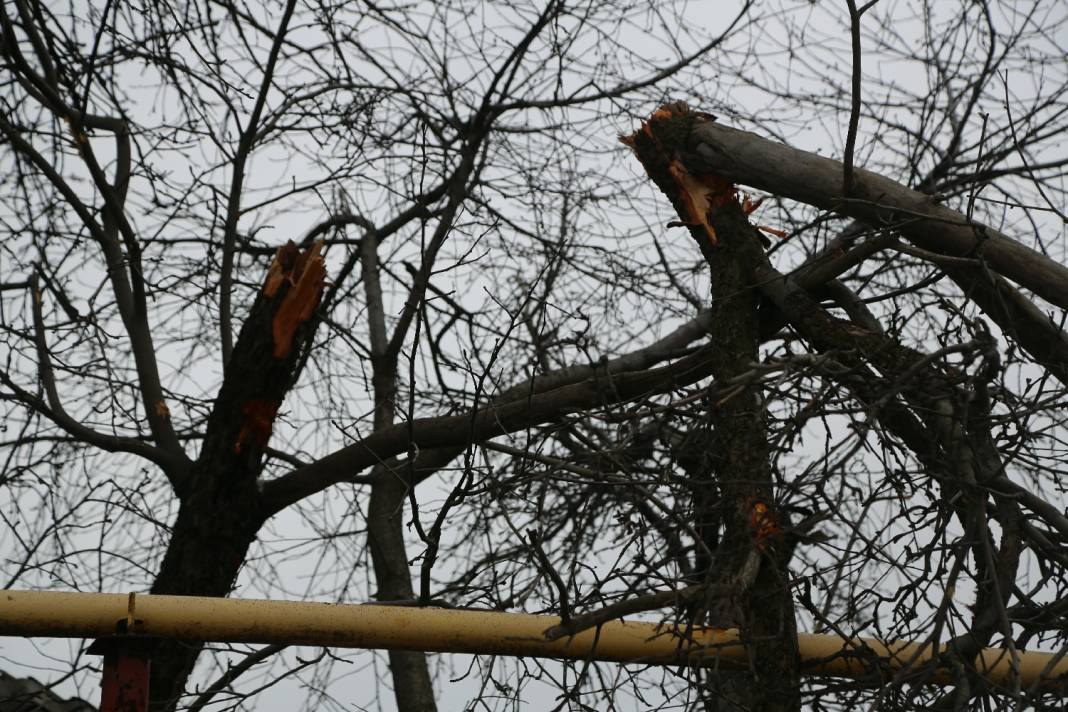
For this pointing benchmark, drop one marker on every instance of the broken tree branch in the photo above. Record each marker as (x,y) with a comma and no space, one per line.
(734,489)
(746,158)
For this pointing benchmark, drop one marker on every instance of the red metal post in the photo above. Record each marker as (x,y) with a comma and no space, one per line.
(126,664)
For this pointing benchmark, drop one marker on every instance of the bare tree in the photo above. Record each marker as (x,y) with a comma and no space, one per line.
(348,301)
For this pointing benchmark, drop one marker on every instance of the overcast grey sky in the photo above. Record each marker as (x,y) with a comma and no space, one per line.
(804,53)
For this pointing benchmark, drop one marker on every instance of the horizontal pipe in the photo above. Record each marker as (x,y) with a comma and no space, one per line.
(93,615)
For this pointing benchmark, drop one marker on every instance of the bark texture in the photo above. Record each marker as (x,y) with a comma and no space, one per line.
(732,484)
(221,508)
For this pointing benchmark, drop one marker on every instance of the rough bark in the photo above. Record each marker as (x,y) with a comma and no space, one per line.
(221,509)
(748,558)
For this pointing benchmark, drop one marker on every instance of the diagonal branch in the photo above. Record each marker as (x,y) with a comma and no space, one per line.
(746,158)
(522,411)
(743,157)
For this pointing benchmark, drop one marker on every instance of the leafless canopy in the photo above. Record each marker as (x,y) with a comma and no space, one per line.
(356,301)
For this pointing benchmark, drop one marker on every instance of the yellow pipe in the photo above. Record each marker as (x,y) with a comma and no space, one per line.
(91,615)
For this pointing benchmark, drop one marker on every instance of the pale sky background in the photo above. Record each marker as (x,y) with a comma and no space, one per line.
(360,680)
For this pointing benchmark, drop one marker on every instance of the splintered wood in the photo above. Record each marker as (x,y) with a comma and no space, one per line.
(701,195)
(257,424)
(696,196)
(305,273)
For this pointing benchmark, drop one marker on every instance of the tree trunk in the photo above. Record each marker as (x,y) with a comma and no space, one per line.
(221,508)
(413,689)
(749,557)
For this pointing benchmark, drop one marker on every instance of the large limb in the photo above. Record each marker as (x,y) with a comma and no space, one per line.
(746,158)
(457,431)
(553,394)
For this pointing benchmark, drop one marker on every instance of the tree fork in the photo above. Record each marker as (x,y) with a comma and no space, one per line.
(749,556)
(221,508)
